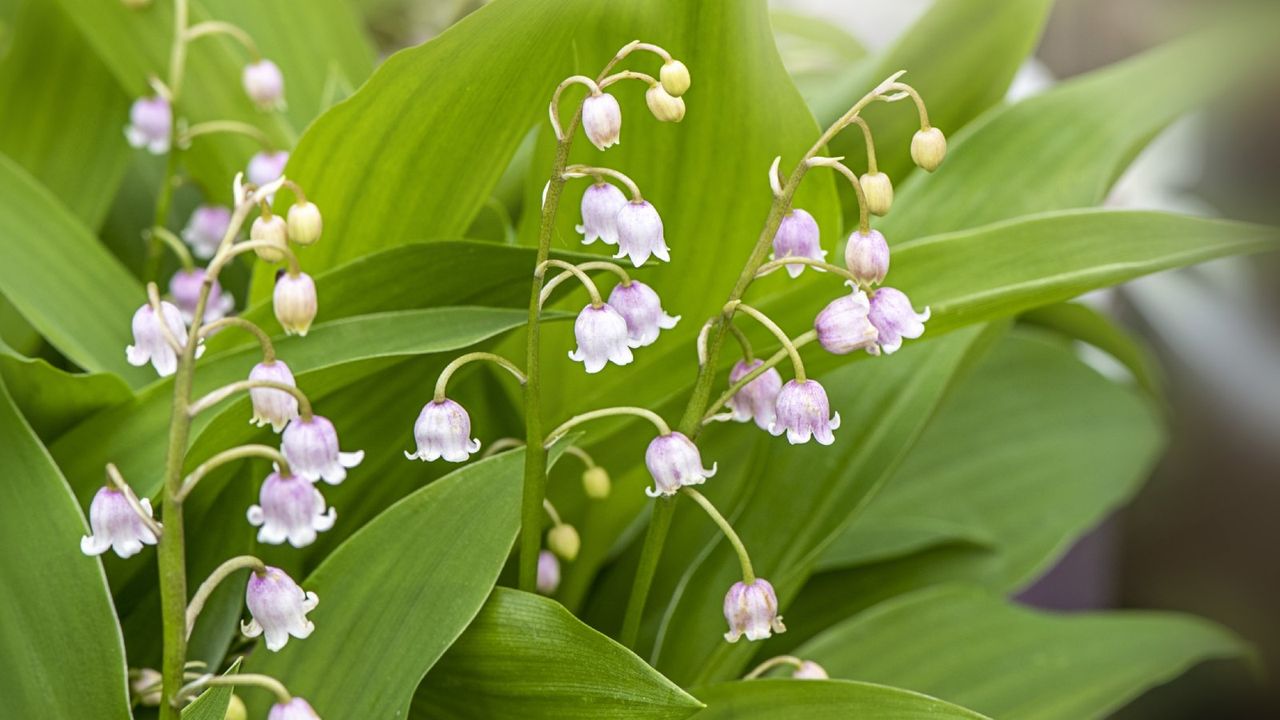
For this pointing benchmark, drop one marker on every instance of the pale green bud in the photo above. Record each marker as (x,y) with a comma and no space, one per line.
(305,223)
(273,230)
(563,541)
(928,148)
(675,78)
(595,483)
(663,106)
(236,709)
(879,191)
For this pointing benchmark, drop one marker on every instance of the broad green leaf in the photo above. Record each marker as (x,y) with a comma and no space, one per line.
(212,703)
(62,110)
(60,649)
(62,280)
(1083,323)
(821,700)
(818,54)
(53,400)
(973,648)
(527,656)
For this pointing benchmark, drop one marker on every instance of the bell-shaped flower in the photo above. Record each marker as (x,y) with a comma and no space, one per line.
(802,411)
(674,462)
(310,445)
(600,205)
(758,399)
(150,125)
(278,608)
(810,670)
(602,338)
(184,287)
(752,610)
(264,84)
(443,430)
(866,255)
(843,325)
(290,509)
(877,188)
(149,342)
(114,524)
(548,572)
(205,228)
(664,106)
(295,302)
(641,307)
(270,229)
(266,166)
(276,407)
(894,319)
(798,236)
(602,120)
(295,709)
(640,233)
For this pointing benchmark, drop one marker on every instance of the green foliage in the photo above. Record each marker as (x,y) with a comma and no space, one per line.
(821,700)
(212,703)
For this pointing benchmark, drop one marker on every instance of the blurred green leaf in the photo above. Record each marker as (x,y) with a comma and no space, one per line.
(817,53)
(526,656)
(212,703)
(971,647)
(53,400)
(60,650)
(1087,325)
(821,700)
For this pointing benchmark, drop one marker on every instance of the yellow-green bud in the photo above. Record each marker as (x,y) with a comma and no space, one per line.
(273,230)
(879,191)
(675,78)
(563,541)
(305,223)
(595,483)
(663,106)
(236,709)
(928,148)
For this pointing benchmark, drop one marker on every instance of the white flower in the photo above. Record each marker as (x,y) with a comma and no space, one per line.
(798,236)
(640,233)
(548,572)
(602,120)
(443,430)
(602,338)
(310,445)
(295,709)
(802,413)
(205,228)
(752,610)
(295,302)
(290,508)
(843,325)
(114,524)
(264,84)
(894,319)
(150,124)
(185,287)
(600,205)
(641,307)
(149,342)
(266,166)
(278,607)
(674,462)
(276,407)
(758,399)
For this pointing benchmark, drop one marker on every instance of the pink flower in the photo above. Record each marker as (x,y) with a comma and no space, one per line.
(150,124)
(752,610)
(602,120)
(798,236)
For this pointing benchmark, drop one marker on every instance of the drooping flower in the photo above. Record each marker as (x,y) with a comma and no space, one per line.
(674,462)
(184,286)
(798,236)
(548,572)
(752,610)
(205,228)
(867,256)
(295,302)
(311,447)
(878,189)
(758,399)
(641,307)
(295,709)
(843,325)
(264,84)
(273,229)
(674,76)
(802,413)
(443,430)
(810,670)
(602,338)
(150,124)
(276,407)
(640,233)
(266,166)
(305,223)
(928,148)
(664,106)
(600,205)
(114,524)
(894,319)
(290,509)
(278,608)
(602,120)
(149,342)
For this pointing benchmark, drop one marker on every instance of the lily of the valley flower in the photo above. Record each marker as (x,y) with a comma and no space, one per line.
(290,509)
(810,670)
(758,399)
(305,223)
(150,125)
(878,190)
(295,709)
(276,407)
(149,343)
(114,524)
(640,233)
(443,430)
(802,413)
(205,229)
(602,338)
(752,610)
(310,445)
(894,319)
(278,608)
(928,148)
(866,255)
(600,205)
(664,106)
(271,229)
(602,120)
(548,572)
(641,307)
(266,166)
(295,302)
(843,325)
(798,236)
(674,462)
(184,286)
(264,84)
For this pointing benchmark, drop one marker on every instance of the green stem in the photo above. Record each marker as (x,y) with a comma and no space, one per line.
(220,573)
(748,574)
(442,382)
(567,425)
(664,509)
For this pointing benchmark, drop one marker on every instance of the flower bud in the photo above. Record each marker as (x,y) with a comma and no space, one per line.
(802,413)
(310,445)
(205,229)
(641,307)
(290,509)
(305,223)
(596,483)
(843,325)
(810,670)
(266,166)
(276,407)
(236,709)
(674,462)
(264,84)
(114,524)
(272,229)
(894,319)
(278,608)
(798,236)
(752,610)
(602,338)
(757,400)
(185,286)
(867,256)
(295,302)
(548,572)
(640,233)
(146,686)
(878,190)
(563,540)
(675,77)
(602,120)
(149,342)
(295,709)
(663,105)
(150,125)
(928,148)
(600,205)
(443,430)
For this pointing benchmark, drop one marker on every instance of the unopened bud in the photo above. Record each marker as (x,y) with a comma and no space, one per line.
(295,303)
(236,709)
(596,483)
(878,190)
(272,229)
(305,223)
(675,77)
(602,120)
(663,106)
(145,685)
(563,540)
(928,148)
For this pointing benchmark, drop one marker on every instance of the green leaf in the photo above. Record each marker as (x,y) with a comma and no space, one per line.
(971,647)
(87,315)
(1083,323)
(53,400)
(65,134)
(60,649)
(818,54)
(527,656)
(821,700)
(212,703)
